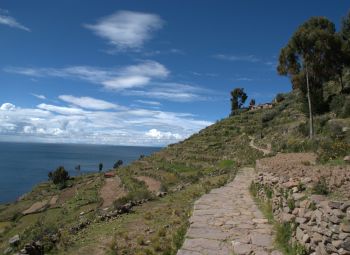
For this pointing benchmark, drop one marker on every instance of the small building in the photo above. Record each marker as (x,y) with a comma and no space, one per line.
(260,106)
(109,175)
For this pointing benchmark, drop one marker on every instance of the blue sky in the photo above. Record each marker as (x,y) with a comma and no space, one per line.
(138,72)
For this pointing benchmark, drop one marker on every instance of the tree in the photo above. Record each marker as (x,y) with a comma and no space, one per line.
(100,166)
(118,164)
(252,102)
(77,168)
(238,98)
(307,60)
(59,176)
(342,56)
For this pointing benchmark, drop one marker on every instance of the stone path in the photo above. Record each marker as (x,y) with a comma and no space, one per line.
(227,221)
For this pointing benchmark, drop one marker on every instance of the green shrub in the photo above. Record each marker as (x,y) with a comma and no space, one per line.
(279,98)
(330,150)
(268,116)
(291,203)
(321,187)
(59,177)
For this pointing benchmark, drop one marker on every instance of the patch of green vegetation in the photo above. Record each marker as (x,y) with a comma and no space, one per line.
(284,233)
(321,187)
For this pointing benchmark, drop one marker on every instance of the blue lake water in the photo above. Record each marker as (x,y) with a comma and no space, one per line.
(23,165)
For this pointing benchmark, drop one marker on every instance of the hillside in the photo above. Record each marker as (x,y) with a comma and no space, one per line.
(145,208)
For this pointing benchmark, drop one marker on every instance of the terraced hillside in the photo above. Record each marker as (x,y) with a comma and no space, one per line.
(154,195)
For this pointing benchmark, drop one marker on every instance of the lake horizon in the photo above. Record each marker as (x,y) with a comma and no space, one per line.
(24,165)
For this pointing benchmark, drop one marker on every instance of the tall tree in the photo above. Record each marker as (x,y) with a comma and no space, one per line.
(342,57)
(238,98)
(307,60)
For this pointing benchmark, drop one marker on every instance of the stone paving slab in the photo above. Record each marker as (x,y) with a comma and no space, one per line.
(227,221)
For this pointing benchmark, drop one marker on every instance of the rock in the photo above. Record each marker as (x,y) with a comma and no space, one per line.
(287,217)
(316,238)
(334,219)
(334,205)
(306,239)
(305,180)
(337,243)
(299,234)
(241,248)
(300,220)
(161,194)
(343,236)
(290,184)
(346,245)
(341,251)
(321,250)
(14,240)
(347,159)
(295,189)
(345,228)
(345,206)
(298,196)
(260,221)
(317,198)
(8,250)
(261,239)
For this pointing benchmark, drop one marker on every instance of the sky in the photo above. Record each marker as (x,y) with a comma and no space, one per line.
(139,72)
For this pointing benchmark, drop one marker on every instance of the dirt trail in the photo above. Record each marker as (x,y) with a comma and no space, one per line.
(265,151)
(152,184)
(36,207)
(227,221)
(111,191)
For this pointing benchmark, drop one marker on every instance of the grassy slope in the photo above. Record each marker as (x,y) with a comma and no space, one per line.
(204,161)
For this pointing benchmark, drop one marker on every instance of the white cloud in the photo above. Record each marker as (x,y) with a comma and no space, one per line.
(7,107)
(126,82)
(131,76)
(154,133)
(88,102)
(61,109)
(154,103)
(244,79)
(7,20)
(52,123)
(241,58)
(39,96)
(176,92)
(127,30)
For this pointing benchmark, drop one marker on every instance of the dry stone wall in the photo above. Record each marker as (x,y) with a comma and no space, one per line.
(320,224)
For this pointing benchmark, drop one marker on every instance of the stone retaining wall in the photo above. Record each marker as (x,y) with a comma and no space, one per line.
(320,225)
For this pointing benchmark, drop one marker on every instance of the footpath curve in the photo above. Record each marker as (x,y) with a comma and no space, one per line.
(265,151)
(227,221)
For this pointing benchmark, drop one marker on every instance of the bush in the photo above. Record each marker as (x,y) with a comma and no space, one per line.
(340,105)
(321,187)
(59,176)
(279,98)
(268,116)
(330,150)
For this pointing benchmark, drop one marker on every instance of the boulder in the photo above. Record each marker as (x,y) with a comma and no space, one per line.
(347,159)
(14,240)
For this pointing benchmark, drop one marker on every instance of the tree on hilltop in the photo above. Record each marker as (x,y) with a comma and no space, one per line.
(308,60)
(238,98)
(118,164)
(59,176)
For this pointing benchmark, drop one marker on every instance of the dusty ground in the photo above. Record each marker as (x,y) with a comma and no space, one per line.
(152,184)
(301,165)
(111,191)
